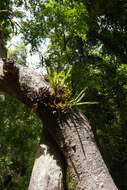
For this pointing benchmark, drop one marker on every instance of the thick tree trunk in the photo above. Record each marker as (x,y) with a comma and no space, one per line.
(71,134)
(75,138)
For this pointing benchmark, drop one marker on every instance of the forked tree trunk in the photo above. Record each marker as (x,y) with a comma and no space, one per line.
(69,134)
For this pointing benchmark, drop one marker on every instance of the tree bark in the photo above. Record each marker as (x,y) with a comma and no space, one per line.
(71,134)
(48,171)
(75,138)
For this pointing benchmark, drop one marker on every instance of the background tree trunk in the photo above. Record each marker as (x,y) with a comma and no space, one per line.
(3,49)
(49,167)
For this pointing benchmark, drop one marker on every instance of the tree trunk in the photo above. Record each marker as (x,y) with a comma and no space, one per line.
(49,167)
(75,138)
(70,133)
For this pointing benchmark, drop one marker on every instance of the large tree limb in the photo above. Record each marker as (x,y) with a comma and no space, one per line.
(17,81)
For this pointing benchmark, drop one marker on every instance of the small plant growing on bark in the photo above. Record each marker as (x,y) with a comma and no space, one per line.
(63,99)
(60,82)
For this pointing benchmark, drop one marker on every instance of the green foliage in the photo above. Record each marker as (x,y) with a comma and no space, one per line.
(18,141)
(80,96)
(63,90)
(61,84)
(70,184)
(6,24)
(19,54)
(60,79)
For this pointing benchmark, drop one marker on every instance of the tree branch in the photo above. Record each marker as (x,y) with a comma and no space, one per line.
(18,81)
(5,11)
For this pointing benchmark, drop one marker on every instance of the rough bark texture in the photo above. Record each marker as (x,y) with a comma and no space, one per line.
(48,168)
(71,132)
(76,140)
(43,175)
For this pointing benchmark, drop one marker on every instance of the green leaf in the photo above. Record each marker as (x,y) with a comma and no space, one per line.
(80,96)
(84,103)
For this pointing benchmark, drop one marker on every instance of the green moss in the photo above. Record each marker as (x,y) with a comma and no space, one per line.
(70,184)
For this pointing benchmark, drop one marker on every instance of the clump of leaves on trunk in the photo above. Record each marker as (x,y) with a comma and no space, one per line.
(64,98)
